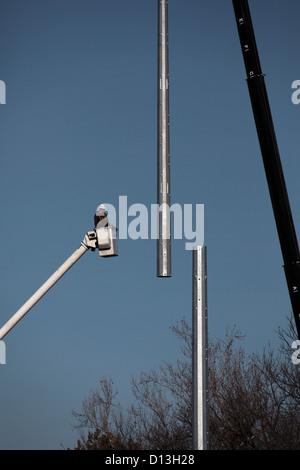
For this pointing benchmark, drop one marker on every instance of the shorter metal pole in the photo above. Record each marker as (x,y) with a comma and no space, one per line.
(43,290)
(200,351)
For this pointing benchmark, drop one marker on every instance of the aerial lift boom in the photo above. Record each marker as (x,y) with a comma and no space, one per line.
(270,155)
(103,238)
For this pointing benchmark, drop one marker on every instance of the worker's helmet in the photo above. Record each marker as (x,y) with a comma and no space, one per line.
(101,209)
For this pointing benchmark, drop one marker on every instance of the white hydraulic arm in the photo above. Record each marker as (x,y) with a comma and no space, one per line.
(90,241)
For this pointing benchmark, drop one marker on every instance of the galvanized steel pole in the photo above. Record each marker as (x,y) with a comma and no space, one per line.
(163,146)
(200,351)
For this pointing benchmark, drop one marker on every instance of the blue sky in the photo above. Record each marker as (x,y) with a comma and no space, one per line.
(79,128)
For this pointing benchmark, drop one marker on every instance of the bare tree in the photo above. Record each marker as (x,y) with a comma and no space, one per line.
(281,383)
(108,427)
(253,401)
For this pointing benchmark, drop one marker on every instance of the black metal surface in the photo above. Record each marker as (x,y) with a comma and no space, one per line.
(270,155)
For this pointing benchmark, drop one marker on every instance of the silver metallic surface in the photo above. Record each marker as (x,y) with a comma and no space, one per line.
(163,144)
(200,351)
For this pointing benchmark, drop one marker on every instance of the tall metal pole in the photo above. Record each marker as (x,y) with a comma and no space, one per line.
(163,146)
(270,154)
(200,351)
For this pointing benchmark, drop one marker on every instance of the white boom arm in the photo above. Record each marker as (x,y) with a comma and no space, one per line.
(90,241)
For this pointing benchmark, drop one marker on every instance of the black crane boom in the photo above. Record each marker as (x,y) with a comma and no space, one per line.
(270,154)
